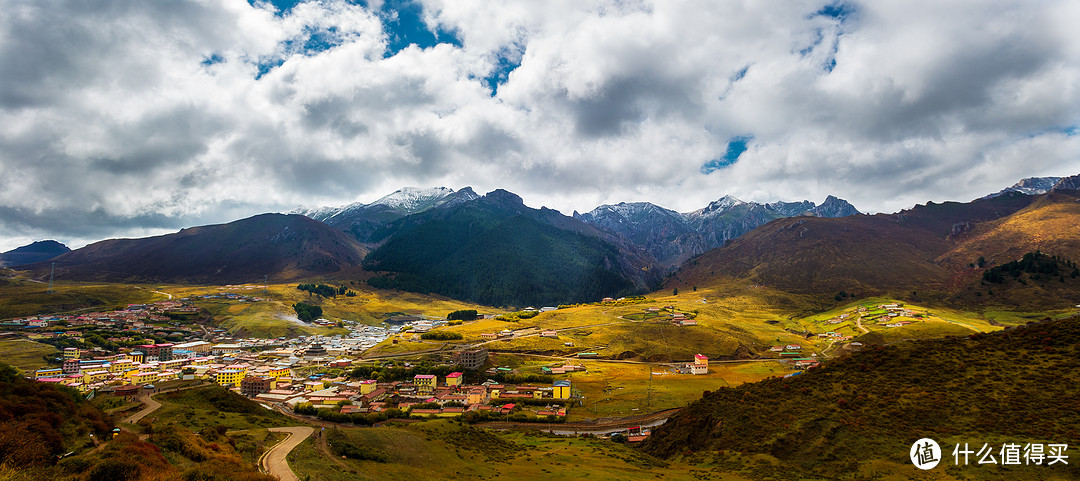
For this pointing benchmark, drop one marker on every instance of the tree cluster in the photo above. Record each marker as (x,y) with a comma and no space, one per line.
(442,336)
(1035,264)
(462,315)
(307,312)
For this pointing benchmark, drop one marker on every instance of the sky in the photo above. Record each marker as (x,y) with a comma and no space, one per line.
(128,118)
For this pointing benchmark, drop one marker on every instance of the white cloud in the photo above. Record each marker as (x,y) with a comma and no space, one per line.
(118,118)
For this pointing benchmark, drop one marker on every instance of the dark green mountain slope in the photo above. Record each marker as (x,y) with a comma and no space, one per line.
(1016,385)
(494,250)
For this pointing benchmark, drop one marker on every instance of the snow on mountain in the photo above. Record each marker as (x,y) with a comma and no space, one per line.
(716,207)
(410,200)
(673,237)
(1028,186)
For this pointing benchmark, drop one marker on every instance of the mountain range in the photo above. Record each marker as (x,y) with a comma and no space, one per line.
(930,250)
(494,249)
(362,220)
(672,237)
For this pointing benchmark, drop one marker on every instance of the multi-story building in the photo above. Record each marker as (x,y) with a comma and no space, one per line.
(163,352)
(229,377)
(425,383)
(368,386)
(471,358)
(71,366)
(453,379)
(252,386)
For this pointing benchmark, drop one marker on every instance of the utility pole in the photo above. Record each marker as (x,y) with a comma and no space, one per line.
(51,274)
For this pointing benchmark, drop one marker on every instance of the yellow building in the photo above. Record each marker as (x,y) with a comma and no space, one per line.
(45,373)
(121,366)
(368,387)
(226,377)
(425,383)
(95,376)
(71,353)
(279,372)
(454,379)
(137,357)
(476,396)
(561,390)
(147,377)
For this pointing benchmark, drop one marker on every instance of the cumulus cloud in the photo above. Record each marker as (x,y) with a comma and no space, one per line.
(121,118)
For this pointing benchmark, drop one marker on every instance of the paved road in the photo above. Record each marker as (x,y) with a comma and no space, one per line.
(273,462)
(151,406)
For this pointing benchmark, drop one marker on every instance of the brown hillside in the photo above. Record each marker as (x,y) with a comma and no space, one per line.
(1051,224)
(814,254)
(864,254)
(283,247)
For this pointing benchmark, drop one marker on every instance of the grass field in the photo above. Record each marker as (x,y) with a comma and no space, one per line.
(613,389)
(734,320)
(214,406)
(447,450)
(25,355)
(276,317)
(21,297)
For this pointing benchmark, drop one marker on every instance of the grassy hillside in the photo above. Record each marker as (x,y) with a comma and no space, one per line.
(26,355)
(20,297)
(52,432)
(859,414)
(275,317)
(448,450)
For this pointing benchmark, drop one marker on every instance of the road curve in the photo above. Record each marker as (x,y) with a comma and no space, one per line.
(273,462)
(151,406)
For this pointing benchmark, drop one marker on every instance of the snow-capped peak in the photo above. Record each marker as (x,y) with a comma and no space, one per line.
(1028,186)
(716,207)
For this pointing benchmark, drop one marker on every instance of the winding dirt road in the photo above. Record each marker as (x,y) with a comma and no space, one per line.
(273,462)
(151,406)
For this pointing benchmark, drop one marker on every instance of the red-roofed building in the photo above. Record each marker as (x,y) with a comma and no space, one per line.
(454,379)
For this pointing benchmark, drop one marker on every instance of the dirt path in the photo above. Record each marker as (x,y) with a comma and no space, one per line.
(858,324)
(273,462)
(151,406)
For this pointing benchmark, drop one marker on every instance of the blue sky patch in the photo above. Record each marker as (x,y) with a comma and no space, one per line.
(265,65)
(506,63)
(211,60)
(740,74)
(403,22)
(735,148)
(282,6)
(839,10)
